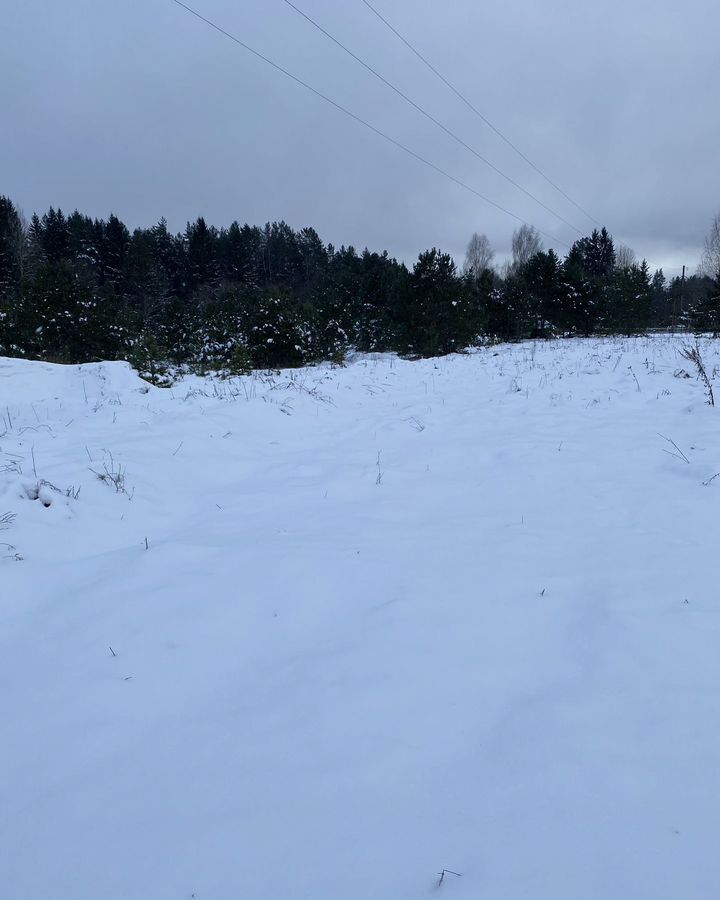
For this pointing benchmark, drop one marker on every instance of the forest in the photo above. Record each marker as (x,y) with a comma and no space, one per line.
(76,289)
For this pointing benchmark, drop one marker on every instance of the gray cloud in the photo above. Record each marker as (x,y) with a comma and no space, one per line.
(139,109)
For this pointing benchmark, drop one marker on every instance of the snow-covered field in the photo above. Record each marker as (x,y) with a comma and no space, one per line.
(326,633)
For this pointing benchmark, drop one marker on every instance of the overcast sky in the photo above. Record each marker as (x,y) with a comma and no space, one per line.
(135,107)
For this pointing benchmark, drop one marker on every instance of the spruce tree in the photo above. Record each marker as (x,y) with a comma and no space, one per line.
(114,251)
(629,300)
(542,277)
(706,313)
(12,248)
(201,256)
(54,237)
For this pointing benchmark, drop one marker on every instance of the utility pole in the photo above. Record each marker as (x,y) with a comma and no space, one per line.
(682,292)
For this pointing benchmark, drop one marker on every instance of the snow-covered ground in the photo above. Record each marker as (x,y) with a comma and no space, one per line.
(335,630)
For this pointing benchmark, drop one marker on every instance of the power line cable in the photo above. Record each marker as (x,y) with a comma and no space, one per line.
(429,116)
(357,118)
(477,112)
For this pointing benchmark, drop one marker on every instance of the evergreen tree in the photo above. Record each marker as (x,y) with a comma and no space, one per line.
(499,315)
(629,300)
(380,280)
(543,278)
(275,332)
(436,315)
(313,256)
(82,249)
(706,312)
(63,318)
(52,235)
(201,256)
(661,312)
(168,251)
(147,283)
(239,255)
(13,249)
(580,296)
(282,260)
(598,254)
(113,254)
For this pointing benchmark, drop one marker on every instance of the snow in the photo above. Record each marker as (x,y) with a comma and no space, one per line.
(325,633)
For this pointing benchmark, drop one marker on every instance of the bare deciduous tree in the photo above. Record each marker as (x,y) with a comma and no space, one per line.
(478,256)
(526,243)
(624,256)
(710,264)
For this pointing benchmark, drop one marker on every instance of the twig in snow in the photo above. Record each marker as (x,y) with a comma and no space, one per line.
(447,872)
(678,454)
(630,369)
(6,520)
(34,428)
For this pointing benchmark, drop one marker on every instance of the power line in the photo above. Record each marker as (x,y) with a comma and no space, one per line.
(357,118)
(477,112)
(429,116)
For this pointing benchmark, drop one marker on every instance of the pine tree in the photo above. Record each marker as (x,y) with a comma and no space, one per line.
(436,315)
(313,256)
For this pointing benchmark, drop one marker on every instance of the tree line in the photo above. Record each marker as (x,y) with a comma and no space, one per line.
(77,289)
